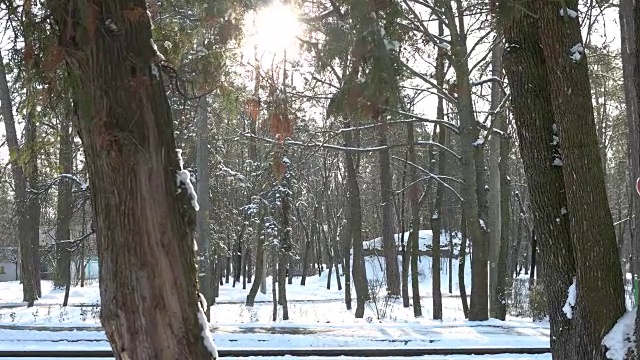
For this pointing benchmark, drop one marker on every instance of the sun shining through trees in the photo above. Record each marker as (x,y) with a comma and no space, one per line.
(270,33)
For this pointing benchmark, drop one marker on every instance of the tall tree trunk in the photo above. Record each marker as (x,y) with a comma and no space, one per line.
(472,170)
(355,228)
(202,189)
(404,245)
(143,199)
(462,260)
(28,262)
(390,249)
(631,64)
(524,65)
(283,255)
(495,202)
(33,200)
(502,272)
(260,268)
(346,265)
(307,248)
(436,228)
(599,279)
(628,46)
(414,230)
(64,209)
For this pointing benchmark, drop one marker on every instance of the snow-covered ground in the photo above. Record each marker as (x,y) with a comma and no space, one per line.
(318,318)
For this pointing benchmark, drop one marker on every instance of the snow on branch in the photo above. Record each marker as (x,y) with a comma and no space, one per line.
(490,79)
(441,92)
(448,124)
(83,185)
(323,144)
(438,178)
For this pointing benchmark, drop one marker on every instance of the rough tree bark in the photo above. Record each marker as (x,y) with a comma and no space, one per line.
(143,199)
(598,274)
(525,67)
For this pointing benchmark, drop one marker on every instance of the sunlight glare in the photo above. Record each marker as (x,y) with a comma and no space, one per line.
(272,30)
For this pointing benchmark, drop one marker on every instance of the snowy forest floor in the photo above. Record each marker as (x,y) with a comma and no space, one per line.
(318,318)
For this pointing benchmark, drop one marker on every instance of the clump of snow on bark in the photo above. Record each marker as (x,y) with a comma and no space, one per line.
(391,44)
(571,300)
(620,340)
(576,52)
(206,334)
(180,160)
(150,20)
(154,71)
(443,45)
(184,178)
(564,211)
(557,162)
(478,142)
(570,12)
(482,225)
(111,25)
(168,45)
